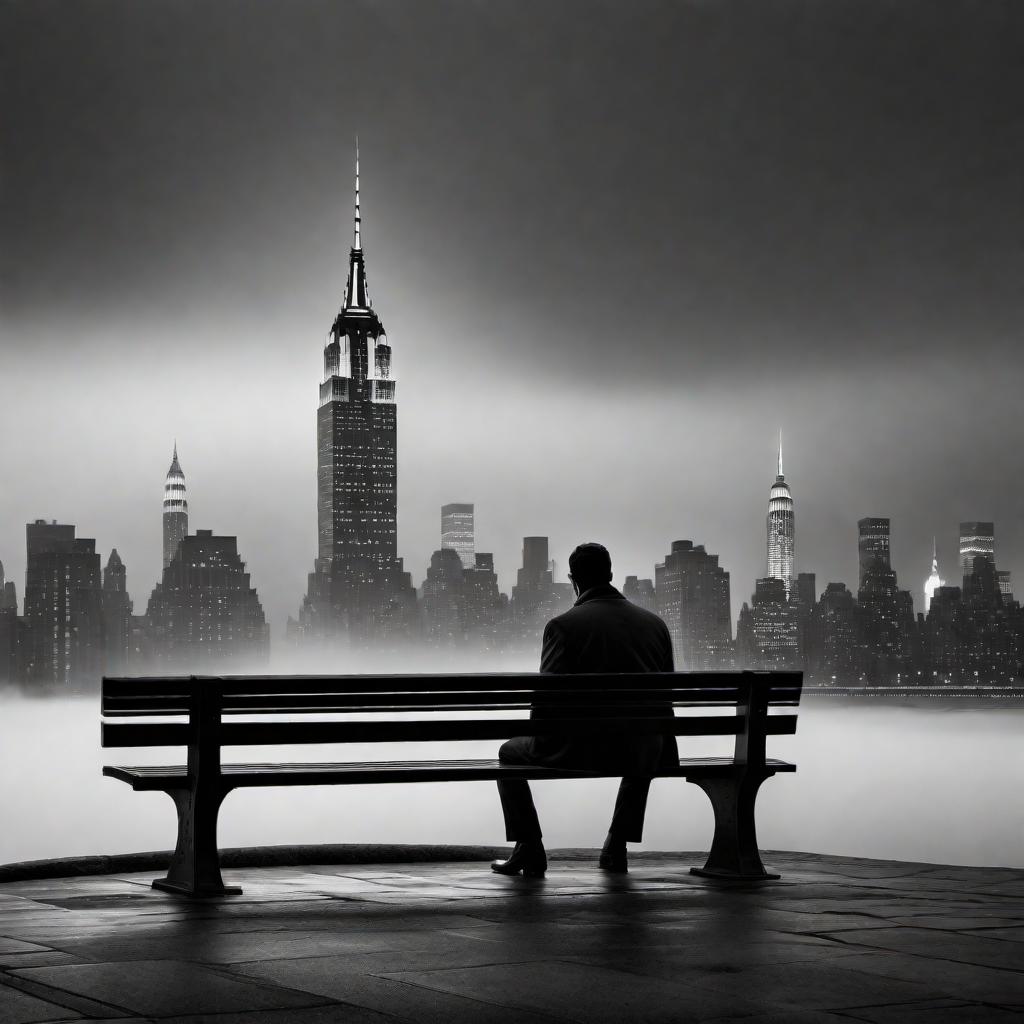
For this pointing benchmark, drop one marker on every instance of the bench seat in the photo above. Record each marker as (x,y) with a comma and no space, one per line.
(162,778)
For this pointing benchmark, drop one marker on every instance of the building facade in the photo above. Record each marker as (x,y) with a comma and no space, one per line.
(63,607)
(976,539)
(204,613)
(117,615)
(457,532)
(693,598)
(536,597)
(872,545)
(767,633)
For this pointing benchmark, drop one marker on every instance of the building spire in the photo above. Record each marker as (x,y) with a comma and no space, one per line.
(357,298)
(357,243)
(780,451)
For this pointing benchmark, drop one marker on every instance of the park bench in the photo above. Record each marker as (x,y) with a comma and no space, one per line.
(205,714)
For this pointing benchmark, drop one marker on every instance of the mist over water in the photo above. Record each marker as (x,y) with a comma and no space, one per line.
(922,784)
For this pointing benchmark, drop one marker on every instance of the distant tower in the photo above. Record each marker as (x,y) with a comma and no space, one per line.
(872,545)
(62,605)
(976,539)
(117,615)
(934,581)
(781,530)
(692,592)
(175,509)
(457,532)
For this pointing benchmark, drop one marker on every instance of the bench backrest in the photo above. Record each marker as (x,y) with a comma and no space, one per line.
(586,704)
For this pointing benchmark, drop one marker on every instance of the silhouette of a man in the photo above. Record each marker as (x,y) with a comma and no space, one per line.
(602,632)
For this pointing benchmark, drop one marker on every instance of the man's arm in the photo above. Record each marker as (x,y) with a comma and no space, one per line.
(669,664)
(552,652)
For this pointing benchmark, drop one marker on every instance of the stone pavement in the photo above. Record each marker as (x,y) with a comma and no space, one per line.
(836,940)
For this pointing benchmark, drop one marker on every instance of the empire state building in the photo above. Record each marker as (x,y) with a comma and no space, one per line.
(781,531)
(358,586)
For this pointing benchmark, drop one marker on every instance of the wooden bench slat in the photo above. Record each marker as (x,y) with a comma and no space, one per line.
(367,772)
(356,700)
(183,687)
(144,734)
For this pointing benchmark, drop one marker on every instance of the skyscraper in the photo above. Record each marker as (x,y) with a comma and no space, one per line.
(8,631)
(781,529)
(204,612)
(443,599)
(934,581)
(457,532)
(485,608)
(872,545)
(536,597)
(358,584)
(767,634)
(885,613)
(641,592)
(62,606)
(693,599)
(976,538)
(117,615)
(175,508)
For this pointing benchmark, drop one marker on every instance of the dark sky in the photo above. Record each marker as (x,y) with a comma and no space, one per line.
(616,246)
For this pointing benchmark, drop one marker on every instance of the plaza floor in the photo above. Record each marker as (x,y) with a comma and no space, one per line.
(836,940)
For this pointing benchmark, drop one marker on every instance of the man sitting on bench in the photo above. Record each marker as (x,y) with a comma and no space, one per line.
(602,632)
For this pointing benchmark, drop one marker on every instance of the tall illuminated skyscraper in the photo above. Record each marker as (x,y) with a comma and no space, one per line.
(781,529)
(934,581)
(175,509)
(976,539)
(872,546)
(358,585)
(457,531)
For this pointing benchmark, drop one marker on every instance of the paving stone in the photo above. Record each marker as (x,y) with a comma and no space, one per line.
(47,958)
(970,949)
(389,995)
(785,1017)
(21,1008)
(936,1011)
(164,988)
(967,982)
(336,1013)
(958,922)
(581,992)
(1012,934)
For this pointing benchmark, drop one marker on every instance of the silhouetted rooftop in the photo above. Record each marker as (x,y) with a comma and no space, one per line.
(835,940)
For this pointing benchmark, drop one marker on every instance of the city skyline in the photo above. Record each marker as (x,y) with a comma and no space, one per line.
(187,285)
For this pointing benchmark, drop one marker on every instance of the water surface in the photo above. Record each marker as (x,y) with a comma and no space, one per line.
(917,784)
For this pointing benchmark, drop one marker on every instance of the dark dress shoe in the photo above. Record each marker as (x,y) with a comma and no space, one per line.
(529,858)
(613,859)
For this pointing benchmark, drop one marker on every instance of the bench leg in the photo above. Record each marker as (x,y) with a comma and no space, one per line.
(734,854)
(195,866)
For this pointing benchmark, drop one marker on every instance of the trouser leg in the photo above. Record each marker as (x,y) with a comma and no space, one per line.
(630,808)
(521,821)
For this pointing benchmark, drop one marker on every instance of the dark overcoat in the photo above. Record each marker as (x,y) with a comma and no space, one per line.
(603,632)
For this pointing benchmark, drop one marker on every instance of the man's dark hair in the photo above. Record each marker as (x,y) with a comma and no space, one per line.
(590,565)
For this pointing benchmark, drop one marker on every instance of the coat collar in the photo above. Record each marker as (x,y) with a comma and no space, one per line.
(602,592)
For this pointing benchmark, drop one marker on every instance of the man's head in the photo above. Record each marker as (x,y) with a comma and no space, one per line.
(590,565)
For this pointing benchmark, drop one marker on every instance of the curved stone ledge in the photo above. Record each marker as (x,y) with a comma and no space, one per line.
(248,857)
